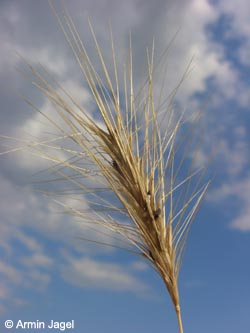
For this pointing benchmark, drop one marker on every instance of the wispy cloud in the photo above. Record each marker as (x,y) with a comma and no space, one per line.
(233,162)
(233,151)
(237,14)
(16,278)
(37,259)
(238,190)
(88,273)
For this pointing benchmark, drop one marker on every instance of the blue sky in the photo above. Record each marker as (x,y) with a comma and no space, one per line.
(45,271)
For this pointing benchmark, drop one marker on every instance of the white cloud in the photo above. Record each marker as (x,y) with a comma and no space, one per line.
(244,53)
(15,276)
(239,190)
(20,209)
(139,266)
(237,13)
(54,62)
(37,259)
(22,213)
(161,19)
(10,273)
(89,273)
(36,279)
(4,293)
(235,155)
(242,222)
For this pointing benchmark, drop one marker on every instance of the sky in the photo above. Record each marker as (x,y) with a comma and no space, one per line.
(45,271)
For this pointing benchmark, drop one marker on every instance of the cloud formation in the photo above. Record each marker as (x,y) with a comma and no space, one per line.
(88,273)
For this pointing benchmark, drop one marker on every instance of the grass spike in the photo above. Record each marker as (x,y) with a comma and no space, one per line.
(133,157)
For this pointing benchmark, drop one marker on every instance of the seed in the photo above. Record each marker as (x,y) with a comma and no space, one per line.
(116,167)
(157,213)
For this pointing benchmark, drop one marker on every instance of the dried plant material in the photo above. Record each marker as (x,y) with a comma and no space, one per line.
(128,166)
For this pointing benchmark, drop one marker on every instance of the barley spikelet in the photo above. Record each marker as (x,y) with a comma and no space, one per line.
(130,155)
